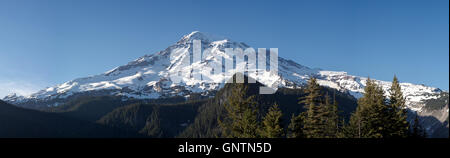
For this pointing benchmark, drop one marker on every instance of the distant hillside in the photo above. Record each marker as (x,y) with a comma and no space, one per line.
(17,122)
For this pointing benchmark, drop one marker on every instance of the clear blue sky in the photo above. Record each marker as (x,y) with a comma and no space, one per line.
(44,42)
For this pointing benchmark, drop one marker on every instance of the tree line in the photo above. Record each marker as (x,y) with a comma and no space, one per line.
(376,116)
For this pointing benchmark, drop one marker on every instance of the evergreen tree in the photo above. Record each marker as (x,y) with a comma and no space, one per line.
(272,127)
(241,120)
(332,117)
(296,126)
(371,115)
(343,130)
(315,121)
(398,124)
(152,126)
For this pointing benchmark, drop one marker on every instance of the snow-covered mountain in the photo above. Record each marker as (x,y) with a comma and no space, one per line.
(148,77)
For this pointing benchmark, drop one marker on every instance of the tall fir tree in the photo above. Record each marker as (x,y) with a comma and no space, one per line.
(332,117)
(369,119)
(241,120)
(296,126)
(315,121)
(343,129)
(272,127)
(399,126)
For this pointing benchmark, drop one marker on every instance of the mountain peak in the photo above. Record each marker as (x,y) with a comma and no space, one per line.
(197,35)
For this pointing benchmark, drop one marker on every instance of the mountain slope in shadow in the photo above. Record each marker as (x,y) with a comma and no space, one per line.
(16,122)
